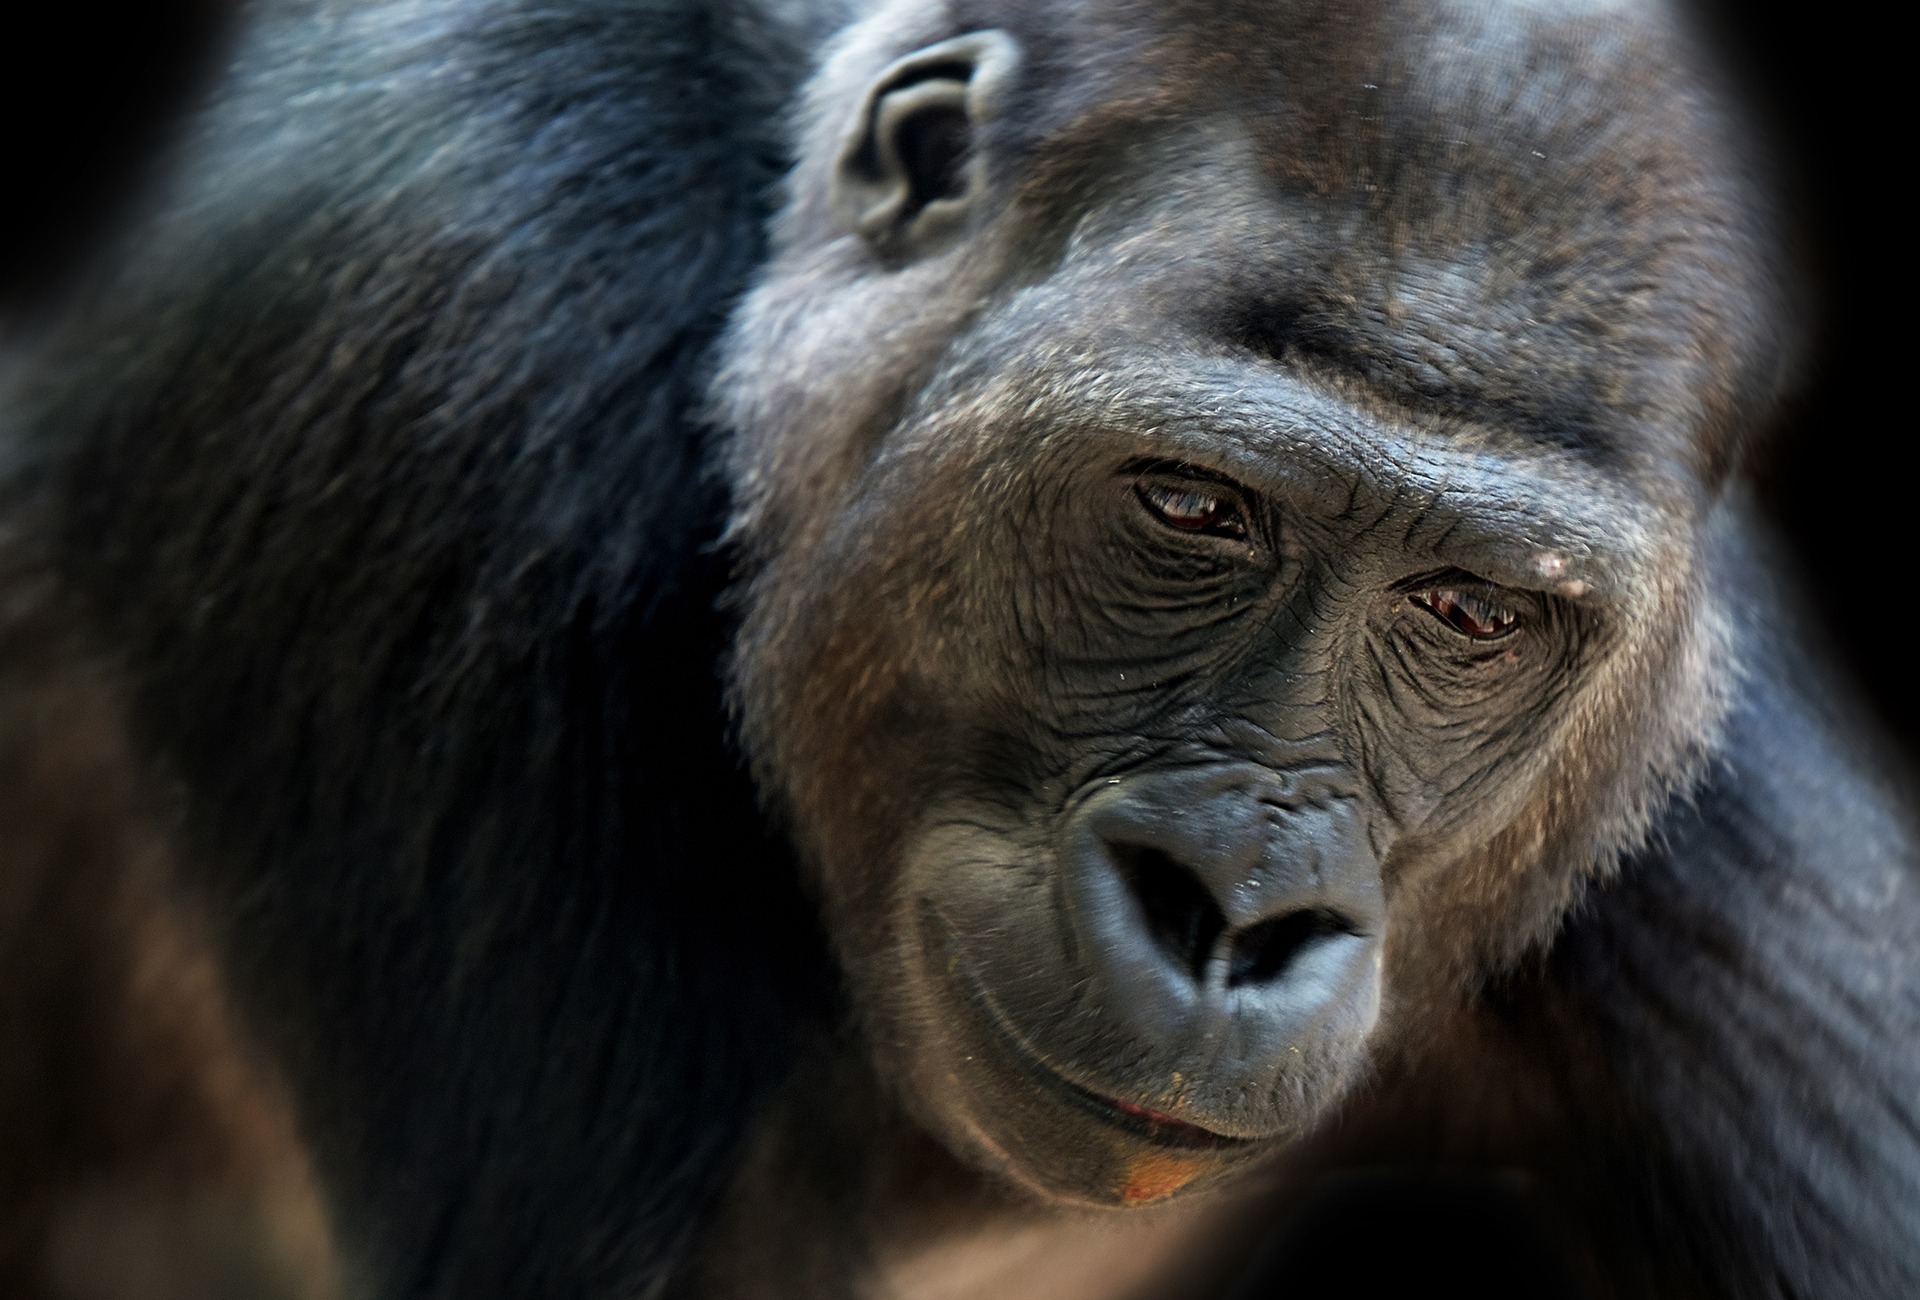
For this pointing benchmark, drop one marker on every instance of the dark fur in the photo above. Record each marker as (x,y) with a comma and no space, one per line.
(143,1151)
(378,463)
(442,683)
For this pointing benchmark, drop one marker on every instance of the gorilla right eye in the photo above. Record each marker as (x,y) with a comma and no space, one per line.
(1470,612)
(1193,507)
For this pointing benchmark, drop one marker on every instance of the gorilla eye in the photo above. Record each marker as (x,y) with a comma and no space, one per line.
(1194,508)
(1468,612)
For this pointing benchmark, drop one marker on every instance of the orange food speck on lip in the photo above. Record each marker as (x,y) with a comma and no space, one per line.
(1153,1176)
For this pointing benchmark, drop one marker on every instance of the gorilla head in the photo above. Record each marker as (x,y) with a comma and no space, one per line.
(1231,504)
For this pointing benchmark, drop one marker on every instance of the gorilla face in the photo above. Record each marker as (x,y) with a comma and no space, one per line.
(1211,563)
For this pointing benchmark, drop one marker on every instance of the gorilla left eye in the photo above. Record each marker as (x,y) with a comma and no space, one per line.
(1468,612)
(1194,508)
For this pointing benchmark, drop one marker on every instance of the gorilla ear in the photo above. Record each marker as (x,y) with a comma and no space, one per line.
(910,169)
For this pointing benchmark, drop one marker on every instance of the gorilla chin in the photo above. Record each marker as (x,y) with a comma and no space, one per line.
(1154,1004)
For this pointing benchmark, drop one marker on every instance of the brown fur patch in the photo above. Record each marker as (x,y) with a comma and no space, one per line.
(144,1153)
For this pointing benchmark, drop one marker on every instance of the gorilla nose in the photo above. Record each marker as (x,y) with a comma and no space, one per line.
(1238,904)
(1186,920)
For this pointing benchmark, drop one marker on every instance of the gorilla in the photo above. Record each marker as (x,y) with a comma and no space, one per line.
(949,648)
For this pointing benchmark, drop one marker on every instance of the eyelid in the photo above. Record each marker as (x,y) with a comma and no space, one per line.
(1232,521)
(1460,579)
(1457,589)
(1183,470)
(1191,477)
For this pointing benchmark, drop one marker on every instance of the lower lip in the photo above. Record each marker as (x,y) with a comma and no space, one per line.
(1166,1127)
(1162,1130)
(1141,1121)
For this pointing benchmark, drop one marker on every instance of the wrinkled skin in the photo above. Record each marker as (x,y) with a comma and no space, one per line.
(1201,587)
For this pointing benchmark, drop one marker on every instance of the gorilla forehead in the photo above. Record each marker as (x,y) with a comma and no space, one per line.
(1359,93)
(1500,210)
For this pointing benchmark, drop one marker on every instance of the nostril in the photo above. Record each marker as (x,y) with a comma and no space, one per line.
(1263,952)
(1180,914)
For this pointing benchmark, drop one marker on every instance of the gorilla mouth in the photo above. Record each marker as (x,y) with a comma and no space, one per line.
(1139,1120)
(1130,1117)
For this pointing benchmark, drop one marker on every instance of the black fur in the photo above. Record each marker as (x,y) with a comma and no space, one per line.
(1735,1022)
(420,595)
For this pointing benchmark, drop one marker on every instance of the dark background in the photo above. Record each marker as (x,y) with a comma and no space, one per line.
(1823,80)
(91,92)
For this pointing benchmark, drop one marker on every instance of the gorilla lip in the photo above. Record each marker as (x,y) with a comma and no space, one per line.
(1141,1121)
(1161,1128)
